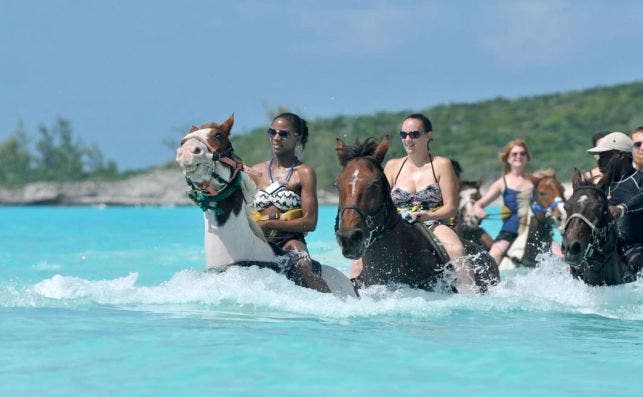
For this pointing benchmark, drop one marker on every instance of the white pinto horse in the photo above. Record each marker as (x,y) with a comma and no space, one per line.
(222,188)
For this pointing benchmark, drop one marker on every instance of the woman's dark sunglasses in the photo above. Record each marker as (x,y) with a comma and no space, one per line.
(282,133)
(412,134)
(637,144)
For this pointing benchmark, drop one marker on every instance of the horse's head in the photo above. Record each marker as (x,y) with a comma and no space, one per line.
(202,152)
(549,197)
(364,196)
(469,193)
(588,221)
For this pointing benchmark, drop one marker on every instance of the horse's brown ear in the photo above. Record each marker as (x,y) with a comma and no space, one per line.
(194,128)
(381,149)
(478,183)
(227,125)
(339,148)
(577,178)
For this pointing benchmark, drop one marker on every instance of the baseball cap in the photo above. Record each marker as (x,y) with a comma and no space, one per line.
(613,141)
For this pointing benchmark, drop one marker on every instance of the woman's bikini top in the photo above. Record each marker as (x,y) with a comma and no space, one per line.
(283,199)
(280,197)
(425,199)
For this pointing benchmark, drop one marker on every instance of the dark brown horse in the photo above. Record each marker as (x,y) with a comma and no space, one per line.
(590,237)
(393,251)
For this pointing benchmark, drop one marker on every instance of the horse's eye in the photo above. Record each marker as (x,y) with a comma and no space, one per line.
(218,136)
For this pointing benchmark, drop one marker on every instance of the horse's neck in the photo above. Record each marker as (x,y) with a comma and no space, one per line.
(605,265)
(403,245)
(605,268)
(233,241)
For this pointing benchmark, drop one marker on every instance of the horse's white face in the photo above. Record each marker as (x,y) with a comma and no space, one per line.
(468,197)
(195,157)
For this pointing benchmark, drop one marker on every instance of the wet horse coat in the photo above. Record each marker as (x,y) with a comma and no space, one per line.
(393,251)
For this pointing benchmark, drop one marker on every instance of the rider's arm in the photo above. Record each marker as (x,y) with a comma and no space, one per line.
(495,190)
(634,205)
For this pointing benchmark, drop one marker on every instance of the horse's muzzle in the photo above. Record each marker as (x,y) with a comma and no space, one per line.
(352,243)
(573,251)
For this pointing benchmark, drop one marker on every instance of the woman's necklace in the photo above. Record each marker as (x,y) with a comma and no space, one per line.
(288,175)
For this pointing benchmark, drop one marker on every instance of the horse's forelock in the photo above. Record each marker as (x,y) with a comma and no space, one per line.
(210,125)
(358,149)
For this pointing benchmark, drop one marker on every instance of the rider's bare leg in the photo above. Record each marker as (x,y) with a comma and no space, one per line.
(304,274)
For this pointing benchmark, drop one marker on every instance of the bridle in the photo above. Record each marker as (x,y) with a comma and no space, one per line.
(548,211)
(375,231)
(204,195)
(600,235)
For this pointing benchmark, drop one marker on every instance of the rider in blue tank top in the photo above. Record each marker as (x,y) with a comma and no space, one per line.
(515,188)
(509,210)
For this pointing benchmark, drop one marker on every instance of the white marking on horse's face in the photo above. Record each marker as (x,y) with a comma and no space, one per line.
(582,199)
(195,157)
(354,181)
(466,198)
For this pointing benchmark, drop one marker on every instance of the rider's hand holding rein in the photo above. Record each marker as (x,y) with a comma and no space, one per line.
(478,212)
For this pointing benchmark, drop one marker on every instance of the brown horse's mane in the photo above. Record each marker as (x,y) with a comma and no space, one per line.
(543,173)
(359,149)
(547,173)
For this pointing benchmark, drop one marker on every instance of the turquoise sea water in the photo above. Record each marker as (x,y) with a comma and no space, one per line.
(113,301)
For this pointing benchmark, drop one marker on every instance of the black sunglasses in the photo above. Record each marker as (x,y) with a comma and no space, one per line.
(637,144)
(412,134)
(282,133)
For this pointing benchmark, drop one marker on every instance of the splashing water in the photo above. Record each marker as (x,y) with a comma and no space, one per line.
(101,301)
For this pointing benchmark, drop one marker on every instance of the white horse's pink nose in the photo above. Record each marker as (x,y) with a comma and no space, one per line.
(187,152)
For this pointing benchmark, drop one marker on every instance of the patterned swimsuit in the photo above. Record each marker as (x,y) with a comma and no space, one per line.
(427,199)
(284,200)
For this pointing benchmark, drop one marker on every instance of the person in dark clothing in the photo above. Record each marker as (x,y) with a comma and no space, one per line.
(623,184)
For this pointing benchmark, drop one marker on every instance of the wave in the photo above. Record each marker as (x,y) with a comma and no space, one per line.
(254,291)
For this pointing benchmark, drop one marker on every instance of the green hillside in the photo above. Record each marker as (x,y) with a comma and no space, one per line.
(557,128)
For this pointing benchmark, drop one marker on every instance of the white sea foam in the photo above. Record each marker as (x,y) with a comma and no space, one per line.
(547,288)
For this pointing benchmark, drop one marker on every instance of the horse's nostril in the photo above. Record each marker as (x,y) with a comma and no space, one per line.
(575,248)
(356,235)
(196,150)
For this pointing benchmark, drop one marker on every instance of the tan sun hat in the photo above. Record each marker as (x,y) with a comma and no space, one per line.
(613,141)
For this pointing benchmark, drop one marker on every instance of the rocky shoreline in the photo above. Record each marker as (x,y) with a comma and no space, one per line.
(158,187)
